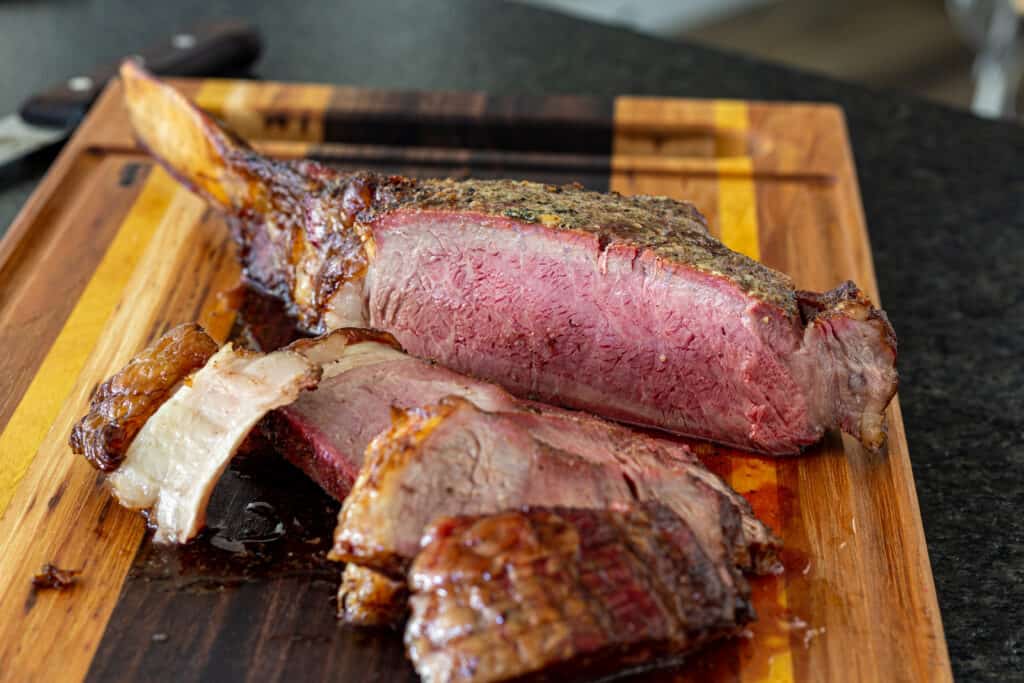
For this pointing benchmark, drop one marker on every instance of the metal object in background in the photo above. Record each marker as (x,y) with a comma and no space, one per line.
(993,27)
(48,117)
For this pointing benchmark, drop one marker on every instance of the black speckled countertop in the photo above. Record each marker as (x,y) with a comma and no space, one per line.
(943,192)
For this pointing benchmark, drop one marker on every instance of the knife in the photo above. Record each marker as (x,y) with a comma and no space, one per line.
(49,117)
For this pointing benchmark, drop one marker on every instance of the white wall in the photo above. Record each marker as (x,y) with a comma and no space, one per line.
(665,17)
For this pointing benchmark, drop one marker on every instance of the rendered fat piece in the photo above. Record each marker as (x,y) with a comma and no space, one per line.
(179,455)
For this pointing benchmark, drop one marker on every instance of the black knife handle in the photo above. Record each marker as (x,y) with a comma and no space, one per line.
(207,50)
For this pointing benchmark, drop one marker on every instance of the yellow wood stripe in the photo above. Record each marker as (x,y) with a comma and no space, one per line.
(60,369)
(737,221)
(737,204)
(58,513)
(770,643)
(214,93)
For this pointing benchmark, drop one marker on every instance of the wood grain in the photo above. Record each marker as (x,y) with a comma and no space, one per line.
(844,610)
(55,510)
(109,252)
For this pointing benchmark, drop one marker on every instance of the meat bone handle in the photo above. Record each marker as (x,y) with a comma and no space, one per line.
(206,50)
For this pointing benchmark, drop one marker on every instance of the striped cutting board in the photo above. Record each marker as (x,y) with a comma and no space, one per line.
(110,252)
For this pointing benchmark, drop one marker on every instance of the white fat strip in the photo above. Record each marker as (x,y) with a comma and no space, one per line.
(180,453)
(359,355)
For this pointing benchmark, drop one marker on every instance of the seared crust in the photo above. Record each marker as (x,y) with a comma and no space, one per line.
(864,414)
(563,594)
(122,404)
(368,598)
(848,300)
(391,450)
(328,347)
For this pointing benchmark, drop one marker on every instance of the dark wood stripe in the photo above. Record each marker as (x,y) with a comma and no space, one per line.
(593,176)
(456,158)
(565,124)
(253,598)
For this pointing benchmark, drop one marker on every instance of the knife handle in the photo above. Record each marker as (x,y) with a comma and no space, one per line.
(207,50)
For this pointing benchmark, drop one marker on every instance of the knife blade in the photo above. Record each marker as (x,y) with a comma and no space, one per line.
(50,116)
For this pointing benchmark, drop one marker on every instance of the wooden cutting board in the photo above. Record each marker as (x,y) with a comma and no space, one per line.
(110,252)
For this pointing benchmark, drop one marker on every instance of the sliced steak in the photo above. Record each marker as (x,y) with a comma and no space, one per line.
(623,306)
(365,375)
(325,432)
(570,594)
(455,459)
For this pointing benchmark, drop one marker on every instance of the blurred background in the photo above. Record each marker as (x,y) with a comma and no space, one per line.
(965,53)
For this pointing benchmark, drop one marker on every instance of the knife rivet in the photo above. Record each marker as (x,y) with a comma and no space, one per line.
(80,83)
(183,41)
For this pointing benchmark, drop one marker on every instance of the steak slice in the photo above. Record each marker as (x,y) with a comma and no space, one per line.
(569,594)
(622,306)
(455,459)
(370,382)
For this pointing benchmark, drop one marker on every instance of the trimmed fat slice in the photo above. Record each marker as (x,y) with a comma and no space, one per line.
(180,453)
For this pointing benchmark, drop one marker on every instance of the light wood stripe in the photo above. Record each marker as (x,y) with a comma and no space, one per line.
(59,513)
(737,221)
(261,111)
(57,375)
(214,93)
(668,165)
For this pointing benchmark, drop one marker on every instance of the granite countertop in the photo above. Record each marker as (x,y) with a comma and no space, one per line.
(943,192)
